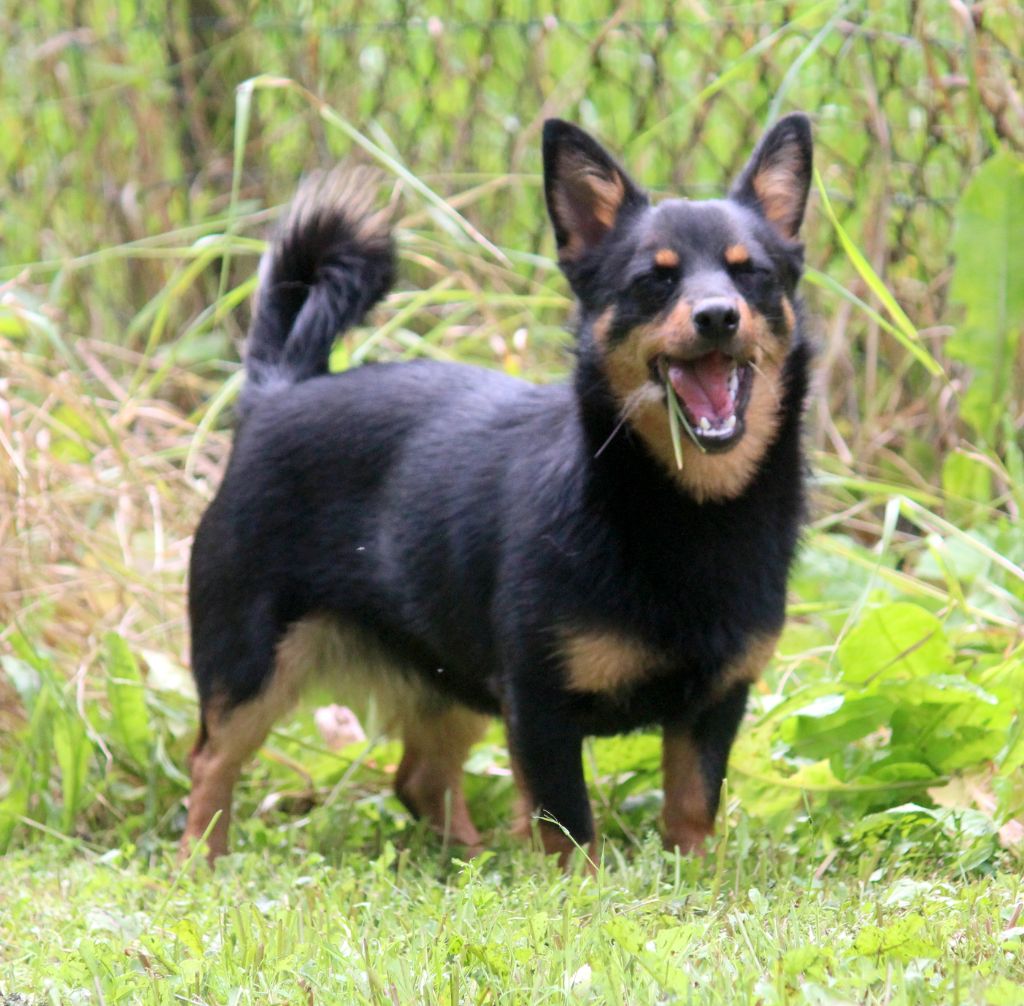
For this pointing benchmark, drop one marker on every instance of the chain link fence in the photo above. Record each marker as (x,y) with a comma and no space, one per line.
(907,98)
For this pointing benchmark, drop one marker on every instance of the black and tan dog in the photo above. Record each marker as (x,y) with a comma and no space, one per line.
(478,546)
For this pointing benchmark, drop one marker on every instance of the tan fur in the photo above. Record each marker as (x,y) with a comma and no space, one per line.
(788,314)
(779,190)
(437,735)
(749,667)
(602,327)
(737,254)
(553,839)
(601,662)
(429,778)
(703,476)
(557,843)
(227,741)
(686,815)
(666,258)
(348,191)
(607,195)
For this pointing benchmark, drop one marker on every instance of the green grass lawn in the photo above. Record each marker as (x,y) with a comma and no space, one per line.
(760,920)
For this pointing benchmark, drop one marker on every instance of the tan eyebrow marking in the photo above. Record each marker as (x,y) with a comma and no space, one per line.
(737,254)
(666,258)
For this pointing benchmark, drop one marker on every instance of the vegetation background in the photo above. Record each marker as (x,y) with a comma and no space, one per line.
(871,834)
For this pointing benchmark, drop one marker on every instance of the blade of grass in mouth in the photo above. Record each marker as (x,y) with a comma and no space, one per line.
(677,418)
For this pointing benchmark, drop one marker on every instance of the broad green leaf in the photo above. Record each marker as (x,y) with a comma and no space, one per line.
(988,282)
(820,736)
(940,689)
(897,640)
(892,771)
(129,719)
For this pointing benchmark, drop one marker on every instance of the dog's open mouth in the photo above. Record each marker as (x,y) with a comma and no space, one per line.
(713,391)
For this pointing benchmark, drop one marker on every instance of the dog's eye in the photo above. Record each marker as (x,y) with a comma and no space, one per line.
(747,267)
(656,284)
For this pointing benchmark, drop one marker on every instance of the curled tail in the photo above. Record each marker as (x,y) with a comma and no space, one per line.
(331,261)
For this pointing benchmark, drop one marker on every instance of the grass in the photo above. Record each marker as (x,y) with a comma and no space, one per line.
(869,845)
(762,922)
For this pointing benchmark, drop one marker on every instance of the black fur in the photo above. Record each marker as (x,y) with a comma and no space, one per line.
(465,519)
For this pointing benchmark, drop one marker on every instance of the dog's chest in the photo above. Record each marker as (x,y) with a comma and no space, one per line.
(620,683)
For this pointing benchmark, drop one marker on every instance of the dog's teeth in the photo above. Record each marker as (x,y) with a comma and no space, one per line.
(729,425)
(705,426)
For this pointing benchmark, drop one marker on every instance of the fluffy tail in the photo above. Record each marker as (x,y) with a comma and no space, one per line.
(330,262)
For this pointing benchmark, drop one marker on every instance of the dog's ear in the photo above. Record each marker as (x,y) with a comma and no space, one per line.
(777,177)
(586,190)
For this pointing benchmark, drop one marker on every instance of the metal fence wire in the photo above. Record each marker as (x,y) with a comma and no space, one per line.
(907,98)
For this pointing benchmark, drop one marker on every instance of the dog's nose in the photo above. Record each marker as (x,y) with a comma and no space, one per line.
(716,318)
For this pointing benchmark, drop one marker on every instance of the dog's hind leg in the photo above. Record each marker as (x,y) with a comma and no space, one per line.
(429,777)
(230,732)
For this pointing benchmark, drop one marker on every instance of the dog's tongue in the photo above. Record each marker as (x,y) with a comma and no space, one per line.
(703,386)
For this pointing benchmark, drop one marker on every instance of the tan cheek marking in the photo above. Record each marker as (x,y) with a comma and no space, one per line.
(723,476)
(687,812)
(626,365)
(737,254)
(597,662)
(678,323)
(666,258)
(703,476)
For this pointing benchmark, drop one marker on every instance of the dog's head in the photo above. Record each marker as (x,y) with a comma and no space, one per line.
(698,296)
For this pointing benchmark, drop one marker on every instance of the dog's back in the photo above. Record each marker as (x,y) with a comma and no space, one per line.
(488,546)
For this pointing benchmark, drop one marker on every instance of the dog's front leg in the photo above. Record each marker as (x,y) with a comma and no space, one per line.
(694,757)
(546,747)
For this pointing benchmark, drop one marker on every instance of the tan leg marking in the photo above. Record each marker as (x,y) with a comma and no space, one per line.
(603,662)
(557,843)
(553,839)
(429,777)
(228,739)
(687,814)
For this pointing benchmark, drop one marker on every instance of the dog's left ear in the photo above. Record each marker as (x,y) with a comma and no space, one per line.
(777,178)
(586,190)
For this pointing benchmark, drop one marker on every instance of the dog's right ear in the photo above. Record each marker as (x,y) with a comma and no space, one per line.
(585,188)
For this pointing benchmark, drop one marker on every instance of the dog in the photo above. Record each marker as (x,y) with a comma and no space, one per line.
(474,545)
